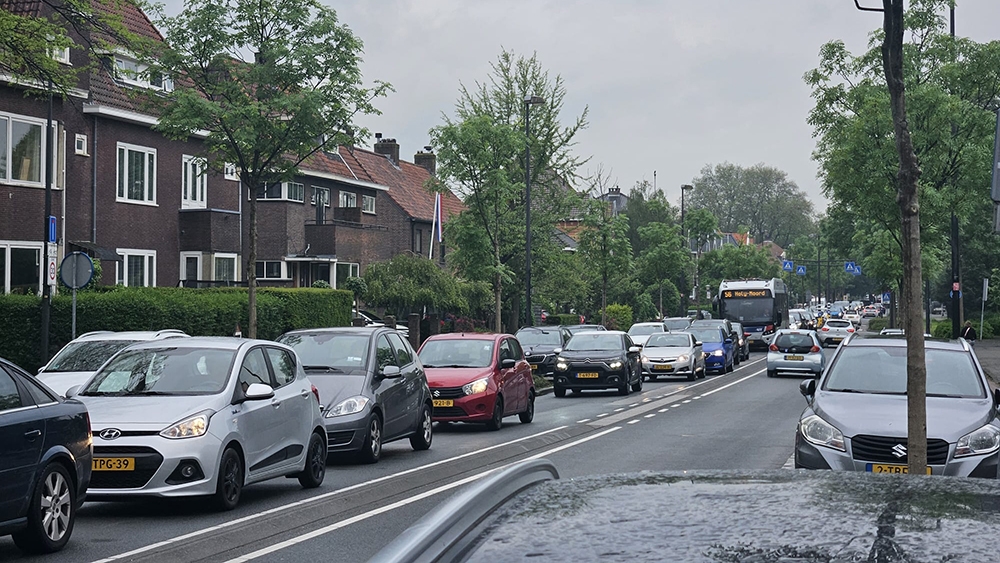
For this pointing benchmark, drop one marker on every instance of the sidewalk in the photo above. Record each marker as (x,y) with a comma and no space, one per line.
(988,352)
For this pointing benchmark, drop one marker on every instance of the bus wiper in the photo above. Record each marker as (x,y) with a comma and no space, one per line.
(329,369)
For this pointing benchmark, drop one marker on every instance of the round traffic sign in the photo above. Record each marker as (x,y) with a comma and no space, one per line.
(76,270)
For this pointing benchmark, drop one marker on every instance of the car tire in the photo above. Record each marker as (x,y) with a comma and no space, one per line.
(229,483)
(422,438)
(772,373)
(730,368)
(51,514)
(637,386)
(694,373)
(529,412)
(315,470)
(558,391)
(496,422)
(623,389)
(371,450)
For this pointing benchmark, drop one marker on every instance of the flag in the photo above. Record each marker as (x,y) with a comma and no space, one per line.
(437,216)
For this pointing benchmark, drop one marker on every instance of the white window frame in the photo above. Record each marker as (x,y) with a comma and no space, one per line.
(286,193)
(8,246)
(80,145)
(184,258)
(365,200)
(149,266)
(194,181)
(140,76)
(149,190)
(230,172)
(355,271)
(320,188)
(283,274)
(226,256)
(62,55)
(348,198)
(6,131)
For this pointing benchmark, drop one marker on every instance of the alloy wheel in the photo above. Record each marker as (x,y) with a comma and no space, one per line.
(375,434)
(57,505)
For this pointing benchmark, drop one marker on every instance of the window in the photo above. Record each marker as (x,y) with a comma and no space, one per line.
(138,269)
(348,199)
(292,191)
(271,270)
(136,174)
(254,370)
(225,267)
(346,270)
(283,365)
(80,147)
(368,203)
(190,265)
(22,143)
(418,242)
(403,353)
(383,354)
(60,54)
(138,74)
(505,352)
(194,182)
(323,194)
(9,397)
(20,269)
(230,172)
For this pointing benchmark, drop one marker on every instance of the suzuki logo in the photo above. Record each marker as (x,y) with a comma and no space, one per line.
(899,450)
(111,433)
(437,393)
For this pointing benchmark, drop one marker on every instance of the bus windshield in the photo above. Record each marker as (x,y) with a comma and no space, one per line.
(759,310)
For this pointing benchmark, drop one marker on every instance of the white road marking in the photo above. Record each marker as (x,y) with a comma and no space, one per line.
(674,406)
(634,405)
(664,410)
(620,410)
(382,510)
(310,500)
(686,401)
(602,414)
(733,383)
(695,398)
(790,464)
(582,421)
(650,415)
(633,421)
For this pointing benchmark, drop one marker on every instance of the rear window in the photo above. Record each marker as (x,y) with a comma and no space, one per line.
(794,341)
(87,355)
(838,324)
(642,330)
(874,369)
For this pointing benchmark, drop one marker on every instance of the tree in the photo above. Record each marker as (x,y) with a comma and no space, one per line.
(662,259)
(701,226)
(733,262)
(604,242)
(647,206)
(270,82)
(408,283)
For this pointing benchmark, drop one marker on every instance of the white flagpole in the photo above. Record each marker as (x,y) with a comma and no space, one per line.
(430,251)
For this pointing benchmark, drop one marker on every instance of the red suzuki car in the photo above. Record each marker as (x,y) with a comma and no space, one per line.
(478,378)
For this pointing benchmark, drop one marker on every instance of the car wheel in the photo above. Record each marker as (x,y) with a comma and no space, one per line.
(229,485)
(421,440)
(315,470)
(529,412)
(637,386)
(496,422)
(772,373)
(558,391)
(371,450)
(51,514)
(704,372)
(623,389)
(729,368)
(693,375)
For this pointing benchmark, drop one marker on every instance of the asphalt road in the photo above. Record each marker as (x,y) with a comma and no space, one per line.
(741,420)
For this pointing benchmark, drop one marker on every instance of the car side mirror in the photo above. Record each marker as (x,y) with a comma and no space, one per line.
(72,391)
(634,349)
(996,397)
(507,363)
(391,372)
(697,342)
(557,350)
(808,389)
(258,391)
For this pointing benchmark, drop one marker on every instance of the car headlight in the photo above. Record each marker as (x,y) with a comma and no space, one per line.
(476,387)
(615,364)
(682,358)
(821,433)
(351,405)
(192,427)
(644,359)
(982,441)
(562,366)
(741,342)
(718,353)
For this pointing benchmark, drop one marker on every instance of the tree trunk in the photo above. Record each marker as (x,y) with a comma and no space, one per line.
(661,300)
(252,265)
(497,291)
(909,209)
(604,298)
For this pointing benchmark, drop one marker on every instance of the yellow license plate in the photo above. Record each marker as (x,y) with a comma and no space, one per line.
(663,367)
(113,464)
(587,375)
(888,468)
(794,358)
(444,403)
(534,367)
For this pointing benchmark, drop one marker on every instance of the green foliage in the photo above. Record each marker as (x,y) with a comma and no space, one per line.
(566,319)
(663,258)
(941,329)
(876,325)
(618,317)
(647,207)
(357,286)
(736,262)
(322,284)
(701,225)
(605,246)
(408,283)
(644,309)
(198,312)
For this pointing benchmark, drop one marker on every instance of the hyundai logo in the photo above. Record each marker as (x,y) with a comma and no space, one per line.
(899,450)
(437,393)
(110,434)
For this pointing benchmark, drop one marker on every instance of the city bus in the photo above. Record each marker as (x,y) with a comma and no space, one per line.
(761,306)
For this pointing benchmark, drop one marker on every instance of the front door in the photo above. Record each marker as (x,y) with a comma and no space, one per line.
(294,413)
(22,433)
(256,419)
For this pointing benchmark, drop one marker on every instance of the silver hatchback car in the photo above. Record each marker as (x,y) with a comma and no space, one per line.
(795,351)
(202,416)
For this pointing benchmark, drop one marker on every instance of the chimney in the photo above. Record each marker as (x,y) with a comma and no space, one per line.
(426,159)
(388,147)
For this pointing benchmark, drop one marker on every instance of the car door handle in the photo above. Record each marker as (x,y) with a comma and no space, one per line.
(275,404)
(32,434)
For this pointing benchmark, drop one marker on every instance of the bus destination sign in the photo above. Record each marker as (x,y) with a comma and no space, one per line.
(745,293)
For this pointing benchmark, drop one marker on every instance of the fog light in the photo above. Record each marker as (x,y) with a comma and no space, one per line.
(187,471)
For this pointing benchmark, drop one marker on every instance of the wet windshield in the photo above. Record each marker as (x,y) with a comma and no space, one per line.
(642,330)
(600,342)
(457,352)
(877,369)
(707,335)
(329,350)
(668,341)
(86,356)
(164,371)
(536,337)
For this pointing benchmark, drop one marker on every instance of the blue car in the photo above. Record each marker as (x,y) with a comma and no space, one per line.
(719,350)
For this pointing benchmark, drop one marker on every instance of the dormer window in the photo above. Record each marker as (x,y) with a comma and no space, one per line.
(132,72)
(59,54)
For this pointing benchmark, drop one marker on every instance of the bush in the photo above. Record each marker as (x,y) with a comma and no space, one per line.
(876,325)
(618,317)
(567,318)
(321,284)
(941,329)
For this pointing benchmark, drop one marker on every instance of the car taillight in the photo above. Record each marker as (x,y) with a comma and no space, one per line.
(814,349)
(850,330)
(825,329)
(768,329)
(773,347)
(316,392)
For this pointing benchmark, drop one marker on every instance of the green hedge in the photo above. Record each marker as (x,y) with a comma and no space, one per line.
(198,312)
(618,317)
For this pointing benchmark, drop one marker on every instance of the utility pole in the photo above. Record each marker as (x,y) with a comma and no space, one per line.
(956,275)
(46,289)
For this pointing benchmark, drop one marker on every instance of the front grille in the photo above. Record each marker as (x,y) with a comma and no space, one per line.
(147,461)
(447,412)
(661,360)
(339,438)
(447,393)
(879,449)
(536,358)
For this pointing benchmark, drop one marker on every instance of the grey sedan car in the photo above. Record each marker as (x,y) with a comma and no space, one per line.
(795,351)
(855,419)
(675,353)
(834,331)
(373,386)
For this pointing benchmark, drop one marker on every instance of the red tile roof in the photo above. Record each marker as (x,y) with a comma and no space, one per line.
(341,163)
(26,8)
(406,184)
(133,18)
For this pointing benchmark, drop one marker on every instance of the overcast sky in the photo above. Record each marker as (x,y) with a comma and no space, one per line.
(671,85)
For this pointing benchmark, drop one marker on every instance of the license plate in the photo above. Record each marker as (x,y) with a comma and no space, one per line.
(444,402)
(794,358)
(837,339)
(534,367)
(113,464)
(587,375)
(888,468)
(663,367)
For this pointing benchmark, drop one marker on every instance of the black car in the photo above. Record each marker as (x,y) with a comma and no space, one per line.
(742,342)
(598,360)
(539,344)
(45,461)
(573,329)
(727,326)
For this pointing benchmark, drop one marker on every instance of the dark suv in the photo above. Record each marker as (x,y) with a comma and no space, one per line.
(45,463)
(539,344)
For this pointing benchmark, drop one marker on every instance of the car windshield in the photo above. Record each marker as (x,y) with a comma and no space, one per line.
(677,324)
(642,330)
(599,342)
(536,337)
(581,328)
(707,334)
(794,342)
(457,353)
(86,356)
(668,341)
(163,371)
(882,369)
(319,350)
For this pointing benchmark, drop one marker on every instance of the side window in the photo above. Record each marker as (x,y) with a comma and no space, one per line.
(9,397)
(41,396)
(515,349)
(402,351)
(283,365)
(505,353)
(383,354)
(254,369)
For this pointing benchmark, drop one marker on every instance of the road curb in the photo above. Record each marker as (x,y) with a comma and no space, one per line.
(543,391)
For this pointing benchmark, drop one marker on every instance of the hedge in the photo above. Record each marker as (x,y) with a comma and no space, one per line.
(618,317)
(198,312)
(876,325)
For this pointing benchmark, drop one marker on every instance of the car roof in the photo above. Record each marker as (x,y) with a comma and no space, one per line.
(545,328)
(468,336)
(103,335)
(899,341)
(648,323)
(217,342)
(361,330)
(599,332)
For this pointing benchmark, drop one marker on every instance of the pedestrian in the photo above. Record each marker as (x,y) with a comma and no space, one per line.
(969,333)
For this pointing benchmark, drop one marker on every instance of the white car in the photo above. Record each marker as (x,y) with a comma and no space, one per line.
(78,360)
(639,332)
(854,317)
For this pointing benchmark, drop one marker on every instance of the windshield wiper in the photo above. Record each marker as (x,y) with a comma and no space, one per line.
(161,393)
(323,368)
(846,391)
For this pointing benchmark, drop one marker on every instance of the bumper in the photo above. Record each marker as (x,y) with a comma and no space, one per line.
(659,368)
(604,380)
(156,460)
(810,363)
(346,433)
(713,362)
(471,408)
(834,339)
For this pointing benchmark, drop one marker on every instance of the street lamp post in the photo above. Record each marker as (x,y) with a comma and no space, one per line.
(687,243)
(528,102)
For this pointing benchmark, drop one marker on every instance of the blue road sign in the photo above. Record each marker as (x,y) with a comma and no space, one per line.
(857,270)
(52,228)
(788,265)
(849,267)
(800,270)
(886,297)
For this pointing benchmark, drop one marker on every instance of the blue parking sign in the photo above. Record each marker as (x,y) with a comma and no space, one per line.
(788,265)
